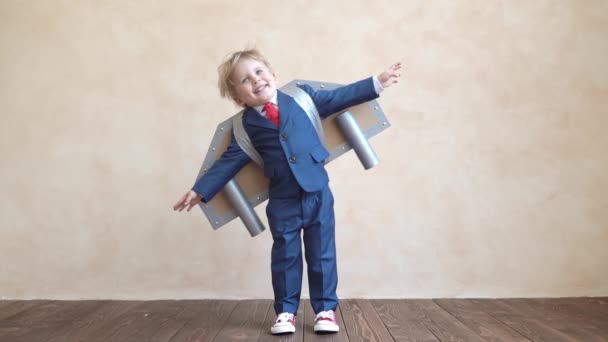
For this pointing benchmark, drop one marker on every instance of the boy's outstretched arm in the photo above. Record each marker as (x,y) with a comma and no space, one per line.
(335,100)
(189,200)
(221,172)
(390,75)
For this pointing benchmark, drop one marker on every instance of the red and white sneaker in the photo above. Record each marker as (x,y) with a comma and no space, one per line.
(285,323)
(326,322)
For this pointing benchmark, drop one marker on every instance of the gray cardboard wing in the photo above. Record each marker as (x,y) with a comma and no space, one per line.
(251,186)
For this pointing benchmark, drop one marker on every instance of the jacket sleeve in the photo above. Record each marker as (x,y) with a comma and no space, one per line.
(332,101)
(221,172)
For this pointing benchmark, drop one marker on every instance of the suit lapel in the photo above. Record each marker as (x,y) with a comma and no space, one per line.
(252,117)
(286,108)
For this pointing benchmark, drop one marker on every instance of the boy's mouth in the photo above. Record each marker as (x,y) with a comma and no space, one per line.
(260,88)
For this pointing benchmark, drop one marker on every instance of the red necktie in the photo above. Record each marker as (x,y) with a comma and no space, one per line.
(272,113)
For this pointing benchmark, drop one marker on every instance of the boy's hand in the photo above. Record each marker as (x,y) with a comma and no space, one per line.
(190,199)
(390,76)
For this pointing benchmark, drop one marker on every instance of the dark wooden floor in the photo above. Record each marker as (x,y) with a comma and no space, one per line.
(466,320)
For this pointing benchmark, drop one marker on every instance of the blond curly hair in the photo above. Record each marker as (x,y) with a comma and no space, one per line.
(225,70)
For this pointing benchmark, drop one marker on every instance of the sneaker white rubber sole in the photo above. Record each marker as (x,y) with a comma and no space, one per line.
(326,328)
(282,329)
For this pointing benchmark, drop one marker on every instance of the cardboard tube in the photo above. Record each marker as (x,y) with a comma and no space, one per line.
(243,208)
(355,137)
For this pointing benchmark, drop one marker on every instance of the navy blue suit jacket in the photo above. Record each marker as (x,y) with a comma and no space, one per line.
(293,154)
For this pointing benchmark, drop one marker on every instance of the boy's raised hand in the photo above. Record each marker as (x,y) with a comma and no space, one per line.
(390,76)
(190,199)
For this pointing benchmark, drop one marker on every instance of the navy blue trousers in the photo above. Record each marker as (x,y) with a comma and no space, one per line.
(313,215)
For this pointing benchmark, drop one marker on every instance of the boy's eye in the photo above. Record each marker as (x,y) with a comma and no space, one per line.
(259,71)
(244,80)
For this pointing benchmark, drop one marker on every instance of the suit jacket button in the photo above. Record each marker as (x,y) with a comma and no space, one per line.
(292,159)
(283,136)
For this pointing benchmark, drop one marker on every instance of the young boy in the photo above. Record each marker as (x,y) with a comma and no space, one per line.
(299,196)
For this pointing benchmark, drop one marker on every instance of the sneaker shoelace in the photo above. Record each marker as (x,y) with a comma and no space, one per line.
(285,317)
(326,316)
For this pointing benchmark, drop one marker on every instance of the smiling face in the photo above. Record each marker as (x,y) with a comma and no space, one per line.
(254,84)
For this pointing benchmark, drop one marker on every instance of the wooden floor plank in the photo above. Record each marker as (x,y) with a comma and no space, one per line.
(362,322)
(309,323)
(603,301)
(245,321)
(53,311)
(207,322)
(443,325)
(595,311)
(403,324)
(84,328)
(266,336)
(13,307)
(5,303)
(44,321)
(594,308)
(145,321)
(165,327)
(561,317)
(484,325)
(522,322)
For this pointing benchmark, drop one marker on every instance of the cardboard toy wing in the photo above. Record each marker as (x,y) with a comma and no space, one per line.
(343,131)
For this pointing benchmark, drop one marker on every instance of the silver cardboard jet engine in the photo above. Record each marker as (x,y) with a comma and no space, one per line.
(349,129)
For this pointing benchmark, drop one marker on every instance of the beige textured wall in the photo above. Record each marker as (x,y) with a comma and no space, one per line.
(492,179)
